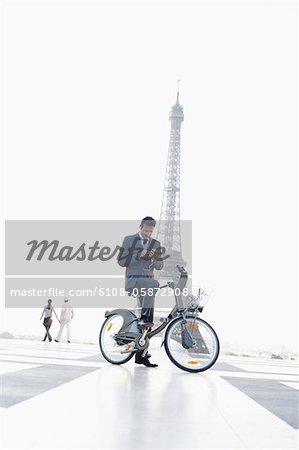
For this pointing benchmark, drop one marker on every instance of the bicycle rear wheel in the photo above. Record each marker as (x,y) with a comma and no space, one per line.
(202,355)
(114,350)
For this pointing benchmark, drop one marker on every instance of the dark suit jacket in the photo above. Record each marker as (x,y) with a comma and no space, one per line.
(135,267)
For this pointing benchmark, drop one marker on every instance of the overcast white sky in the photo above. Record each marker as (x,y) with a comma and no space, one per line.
(87,90)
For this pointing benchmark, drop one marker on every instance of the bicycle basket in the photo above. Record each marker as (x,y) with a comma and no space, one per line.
(197,302)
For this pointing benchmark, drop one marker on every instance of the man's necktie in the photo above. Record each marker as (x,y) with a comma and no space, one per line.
(145,242)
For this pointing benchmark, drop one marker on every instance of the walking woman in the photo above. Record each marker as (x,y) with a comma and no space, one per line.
(47,312)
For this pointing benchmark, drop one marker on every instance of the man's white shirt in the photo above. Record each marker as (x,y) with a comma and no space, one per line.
(66,314)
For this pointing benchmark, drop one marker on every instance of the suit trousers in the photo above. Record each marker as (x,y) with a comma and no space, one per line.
(147,288)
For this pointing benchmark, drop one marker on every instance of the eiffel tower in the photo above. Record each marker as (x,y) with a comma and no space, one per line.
(169,227)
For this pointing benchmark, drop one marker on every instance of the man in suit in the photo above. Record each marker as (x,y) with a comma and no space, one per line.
(140,255)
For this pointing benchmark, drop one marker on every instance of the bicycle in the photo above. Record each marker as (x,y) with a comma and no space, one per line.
(190,342)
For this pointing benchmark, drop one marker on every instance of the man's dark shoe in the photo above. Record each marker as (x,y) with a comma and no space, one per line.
(139,359)
(56,340)
(145,322)
(147,363)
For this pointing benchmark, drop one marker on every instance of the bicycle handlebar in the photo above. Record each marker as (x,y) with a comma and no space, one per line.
(181,282)
(181,269)
(171,284)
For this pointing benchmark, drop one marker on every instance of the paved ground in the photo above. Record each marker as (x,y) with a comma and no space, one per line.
(66,396)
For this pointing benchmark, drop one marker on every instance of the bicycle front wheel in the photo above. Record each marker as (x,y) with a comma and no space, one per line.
(114,350)
(204,351)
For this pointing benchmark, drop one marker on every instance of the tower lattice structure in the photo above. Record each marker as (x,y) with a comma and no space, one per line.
(169,227)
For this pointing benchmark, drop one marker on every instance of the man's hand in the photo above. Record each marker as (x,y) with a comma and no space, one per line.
(147,254)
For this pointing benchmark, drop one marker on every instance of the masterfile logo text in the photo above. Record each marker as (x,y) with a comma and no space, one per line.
(76,258)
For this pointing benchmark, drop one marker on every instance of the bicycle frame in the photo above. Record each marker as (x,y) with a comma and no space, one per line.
(130,330)
(198,342)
